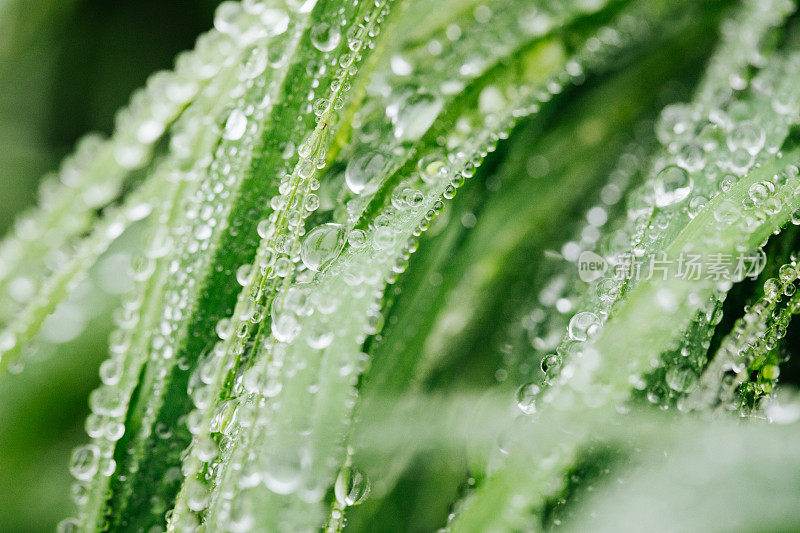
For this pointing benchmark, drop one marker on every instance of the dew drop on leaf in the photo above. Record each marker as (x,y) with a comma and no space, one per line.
(235,126)
(680,379)
(244,274)
(362,170)
(84,462)
(551,363)
(325,37)
(322,245)
(526,398)
(747,136)
(68,525)
(282,475)
(758,192)
(583,325)
(352,487)
(727,212)
(415,114)
(672,185)
(357,239)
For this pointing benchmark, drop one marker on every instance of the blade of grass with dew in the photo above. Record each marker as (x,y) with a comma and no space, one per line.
(142,340)
(280,465)
(233,327)
(189,139)
(440,74)
(749,348)
(510,249)
(397,356)
(267,282)
(94,176)
(323,38)
(472,514)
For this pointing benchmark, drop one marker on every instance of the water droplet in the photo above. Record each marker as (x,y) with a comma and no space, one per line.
(400,66)
(676,122)
(275,21)
(111,371)
(282,475)
(727,212)
(696,204)
(325,37)
(358,238)
(197,496)
(203,232)
(7,341)
(758,192)
(672,185)
(285,326)
(321,246)
(351,487)
(432,166)
(223,328)
(265,229)
(256,63)
(244,274)
(415,114)
(583,325)
(235,126)
(747,136)
(363,172)
(68,525)
(383,238)
(84,462)
(526,398)
(680,379)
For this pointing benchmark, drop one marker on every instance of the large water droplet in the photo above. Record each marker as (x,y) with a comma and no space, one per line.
(759,192)
(322,245)
(672,185)
(415,114)
(352,487)
(526,398)
(235,126)
(363,172)
(583,325)
(84,462)
(325,37)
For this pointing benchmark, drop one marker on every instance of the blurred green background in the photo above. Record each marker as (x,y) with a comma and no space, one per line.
(66,66)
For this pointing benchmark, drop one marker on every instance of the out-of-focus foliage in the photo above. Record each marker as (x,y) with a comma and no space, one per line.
(65,68)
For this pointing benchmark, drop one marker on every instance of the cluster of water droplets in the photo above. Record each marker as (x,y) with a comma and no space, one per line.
(679,369)
(708,147)
(95,174)
(569,371)
(198,180)
(697,141)
(749,348)
(286,253)
(36,316)
(556,306)
(289,401)
(284,372)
